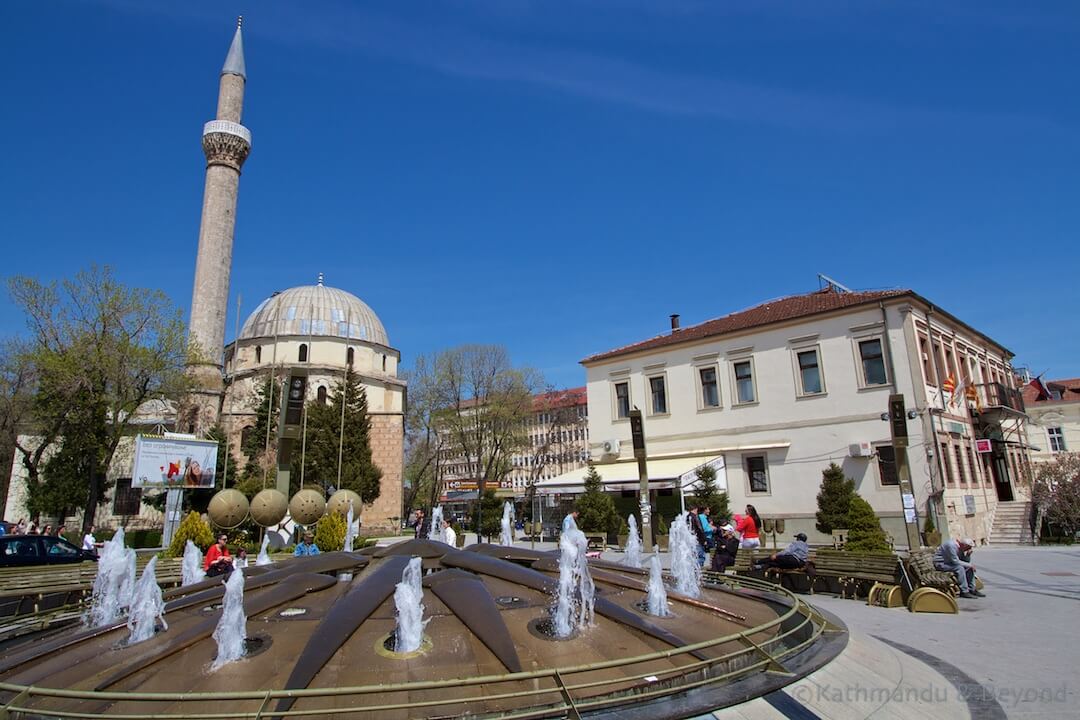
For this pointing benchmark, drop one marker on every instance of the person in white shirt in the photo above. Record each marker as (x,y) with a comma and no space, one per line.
(89,542)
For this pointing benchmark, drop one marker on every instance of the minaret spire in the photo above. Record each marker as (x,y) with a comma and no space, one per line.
(226,144)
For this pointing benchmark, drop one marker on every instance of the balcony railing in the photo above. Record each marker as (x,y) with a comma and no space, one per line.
(995,396)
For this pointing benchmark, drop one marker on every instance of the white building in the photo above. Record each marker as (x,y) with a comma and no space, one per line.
(1055,416)
(771,395)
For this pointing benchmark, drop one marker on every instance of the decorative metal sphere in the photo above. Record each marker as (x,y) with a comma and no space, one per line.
(339,503)
(307,506)
(228,508)
(268,507)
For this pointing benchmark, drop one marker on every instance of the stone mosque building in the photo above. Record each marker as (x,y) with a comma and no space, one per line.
(311,330)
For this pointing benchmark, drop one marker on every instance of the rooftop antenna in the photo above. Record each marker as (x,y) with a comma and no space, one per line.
(825,283)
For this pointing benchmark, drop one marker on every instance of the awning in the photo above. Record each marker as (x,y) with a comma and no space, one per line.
(665,473)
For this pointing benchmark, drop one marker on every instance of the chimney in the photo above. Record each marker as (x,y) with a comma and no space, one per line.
(674,322)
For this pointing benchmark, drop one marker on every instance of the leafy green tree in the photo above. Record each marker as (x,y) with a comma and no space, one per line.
(707,495)
(834,499)
(97,352)
(258,443)
(490,509)
(596,509)
(864,532)
(327,442)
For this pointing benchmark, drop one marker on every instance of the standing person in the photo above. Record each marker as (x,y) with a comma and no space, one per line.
(451,535)
(420,524)
(705,515)
(727,547)
(792,557)
(749,528)
(20,527)
(308,547)
(33,529)
(218,561)
(241,559)
(693,518)
(949,557)
(47,531)
(89,542)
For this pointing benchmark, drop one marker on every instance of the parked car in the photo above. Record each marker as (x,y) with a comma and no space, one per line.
(16,550)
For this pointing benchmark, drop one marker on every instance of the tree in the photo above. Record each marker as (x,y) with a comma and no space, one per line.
(596,509)
(96,352)
(1056,494)
(330,532)
(489,511)
(834,499)
(864,531)
(16,382)
(192,528)
(555,440)
(339,432)
(258,442)
(706,495)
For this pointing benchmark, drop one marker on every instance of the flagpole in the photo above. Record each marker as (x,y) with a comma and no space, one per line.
(271,389)
(344,387)
(307,364)
(236,350)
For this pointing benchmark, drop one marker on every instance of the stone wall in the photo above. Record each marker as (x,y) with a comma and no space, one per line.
(388,452)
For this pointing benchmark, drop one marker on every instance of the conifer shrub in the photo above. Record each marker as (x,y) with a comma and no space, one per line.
(192,528)
(864,533)
(330,533)
(834,500)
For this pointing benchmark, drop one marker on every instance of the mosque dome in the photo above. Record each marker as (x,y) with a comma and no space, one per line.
(315,310)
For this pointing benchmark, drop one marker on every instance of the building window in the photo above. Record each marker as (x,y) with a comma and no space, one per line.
(960,474)
(303,353)
(710,387)
(384,363)
(622,400)
(758,473)
(873,362)
(972,464)
(658,395)
(886,463)
(744,382)
(809,372)
(946,464)
(258,354)
(1057,439)
(322,394)
(126,499)
(927,362)
(350,355)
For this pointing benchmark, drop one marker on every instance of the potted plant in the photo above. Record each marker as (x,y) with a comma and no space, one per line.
(931,536)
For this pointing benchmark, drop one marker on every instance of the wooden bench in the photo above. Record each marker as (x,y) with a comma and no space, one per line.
(920,566)
(596,541)
(857,572)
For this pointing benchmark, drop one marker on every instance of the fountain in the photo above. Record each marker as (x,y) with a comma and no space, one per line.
(576,593)
(231,630)
(656,600)
(147,606)
(408,599)
(684,563)
(350,533)
(192,571)
(263,558)
(114,582)
(507,535)
(633,545)
(437,531)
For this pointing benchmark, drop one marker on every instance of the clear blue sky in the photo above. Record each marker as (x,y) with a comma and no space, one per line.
(559,177)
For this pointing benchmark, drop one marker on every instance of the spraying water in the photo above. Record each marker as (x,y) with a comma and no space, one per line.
(408,598)
(231,630)
(263,558)
(574,602)
(437,531)
(684,564)
(657,597)
(633,545)
(349,534)
(191,571)
(147,606)
(114,582)
(507,535)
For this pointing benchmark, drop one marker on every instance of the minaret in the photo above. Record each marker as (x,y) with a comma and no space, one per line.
(226,144)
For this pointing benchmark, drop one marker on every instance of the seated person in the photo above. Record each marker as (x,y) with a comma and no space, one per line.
(307,547)
(953,556)
(727,547)
(218,561)
(793,557)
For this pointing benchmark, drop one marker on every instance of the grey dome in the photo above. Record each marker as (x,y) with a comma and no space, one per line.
(315,310)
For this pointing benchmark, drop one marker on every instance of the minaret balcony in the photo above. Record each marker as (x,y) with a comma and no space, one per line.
(227,127)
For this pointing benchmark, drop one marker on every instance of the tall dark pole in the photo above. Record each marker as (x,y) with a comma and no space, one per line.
(637,435)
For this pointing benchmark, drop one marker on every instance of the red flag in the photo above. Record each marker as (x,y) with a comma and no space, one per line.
(1040,386)
(950,383)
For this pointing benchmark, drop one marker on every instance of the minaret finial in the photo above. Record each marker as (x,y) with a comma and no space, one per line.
(239,21)
(234,61)
(320,279)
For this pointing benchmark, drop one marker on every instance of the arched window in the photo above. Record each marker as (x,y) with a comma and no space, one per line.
(384,363)
(245,436)
(322,395)
(303,353)
(349,357)
(258,354)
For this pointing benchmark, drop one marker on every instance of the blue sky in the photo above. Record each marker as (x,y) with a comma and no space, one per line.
(559,177)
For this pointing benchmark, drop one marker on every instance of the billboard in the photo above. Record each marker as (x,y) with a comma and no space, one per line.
(174,462)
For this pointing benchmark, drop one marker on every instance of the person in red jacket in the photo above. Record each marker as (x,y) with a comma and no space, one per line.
(218,561)
(749,527)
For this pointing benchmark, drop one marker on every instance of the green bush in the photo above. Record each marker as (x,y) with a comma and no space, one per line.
(195,529)
(146,538)
(596,509)
(661,526)
(865,534)
(330,532)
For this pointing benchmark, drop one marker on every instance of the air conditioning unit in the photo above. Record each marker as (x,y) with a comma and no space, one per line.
(611,447)
(861,450)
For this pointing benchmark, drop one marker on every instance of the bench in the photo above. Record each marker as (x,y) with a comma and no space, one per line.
(920,566)
(596,541)
(849,574)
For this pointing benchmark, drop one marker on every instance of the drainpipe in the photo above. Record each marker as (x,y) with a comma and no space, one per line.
(939,507)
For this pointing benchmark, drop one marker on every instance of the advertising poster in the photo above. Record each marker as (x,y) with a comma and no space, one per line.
(174,462)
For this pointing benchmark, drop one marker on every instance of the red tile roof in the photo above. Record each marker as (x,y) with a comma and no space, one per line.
(773,311)
(1070,391)
(570,397)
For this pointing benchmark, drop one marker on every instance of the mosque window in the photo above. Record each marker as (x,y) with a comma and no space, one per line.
(322,395)
(258,353)
(303,352)
(245,436)
(384,363)
(349,355)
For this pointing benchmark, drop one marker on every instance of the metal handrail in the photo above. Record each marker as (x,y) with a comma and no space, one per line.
(538,705)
